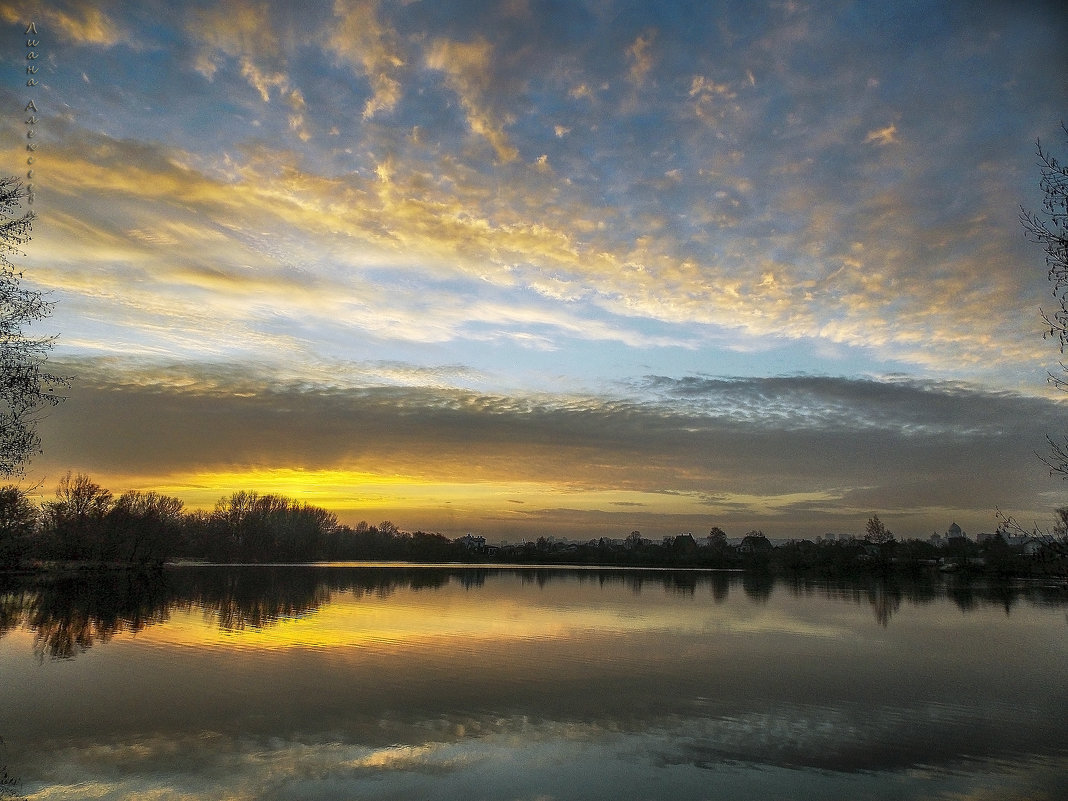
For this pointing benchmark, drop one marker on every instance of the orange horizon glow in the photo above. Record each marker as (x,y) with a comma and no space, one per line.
(415,502)
(350,491)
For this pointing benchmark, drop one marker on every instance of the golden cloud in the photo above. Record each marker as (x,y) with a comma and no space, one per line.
(359,38)
(232,236)
(83,24)
(466,68)
(640,56)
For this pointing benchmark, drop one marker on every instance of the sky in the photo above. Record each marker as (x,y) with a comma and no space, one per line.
(566,269)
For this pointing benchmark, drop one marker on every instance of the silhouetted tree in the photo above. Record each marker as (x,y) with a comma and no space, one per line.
(684,545)
(1049,228)
(718,552)
(269,528)
(882,539)
(144,527)
(877,533)
(26,388)
(18,519)
(1060,524)
(999,558)
(74,521)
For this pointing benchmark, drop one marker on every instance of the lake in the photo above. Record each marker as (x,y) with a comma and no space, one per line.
(445,682)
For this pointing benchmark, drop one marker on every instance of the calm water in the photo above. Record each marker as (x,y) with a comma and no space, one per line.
(450,683)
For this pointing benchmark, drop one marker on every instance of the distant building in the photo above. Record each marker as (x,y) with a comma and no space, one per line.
(1029,544)
(954,532)
(472,543)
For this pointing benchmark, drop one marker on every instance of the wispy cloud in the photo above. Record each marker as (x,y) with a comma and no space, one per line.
(241,30)
(467,66)
(640,58)
(861,296)
(78,22)
(360,38)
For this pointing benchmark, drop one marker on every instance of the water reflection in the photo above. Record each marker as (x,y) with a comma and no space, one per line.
(70,613)
(446,682)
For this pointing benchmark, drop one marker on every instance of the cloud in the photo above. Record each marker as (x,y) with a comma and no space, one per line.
(640,56)
(883,136)
(242,30)
(860,258)
(80,23)
(467,67)
(359,38)
(782,453)
(872,275)
(763,212)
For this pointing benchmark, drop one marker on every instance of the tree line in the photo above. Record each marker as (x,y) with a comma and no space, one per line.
(85,523)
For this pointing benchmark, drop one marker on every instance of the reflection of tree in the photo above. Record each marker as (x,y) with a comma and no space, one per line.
(886,595)
(1006,594)
(250,597)
(758,586)
(885,599)
(721,586)
(920,591)
(963,594)
(472,579)
(682,583)
(70,613)
(12,605)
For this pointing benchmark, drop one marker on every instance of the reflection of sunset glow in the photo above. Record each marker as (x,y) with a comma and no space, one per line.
(453,617)
(426,682)
(401,620)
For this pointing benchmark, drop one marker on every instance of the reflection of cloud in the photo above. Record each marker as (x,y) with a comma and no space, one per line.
(195,767)
(816,745)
